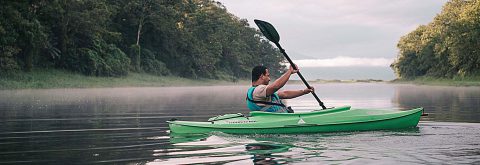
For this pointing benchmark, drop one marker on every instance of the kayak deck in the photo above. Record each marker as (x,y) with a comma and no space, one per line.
(330,120)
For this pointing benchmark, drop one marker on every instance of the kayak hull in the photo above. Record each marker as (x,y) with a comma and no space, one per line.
(334,120)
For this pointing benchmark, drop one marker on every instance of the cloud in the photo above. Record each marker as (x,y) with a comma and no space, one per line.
(327,29)
(343,61)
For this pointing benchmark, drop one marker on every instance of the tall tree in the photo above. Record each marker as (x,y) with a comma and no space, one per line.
(446,47)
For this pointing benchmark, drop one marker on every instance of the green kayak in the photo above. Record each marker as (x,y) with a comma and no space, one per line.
(329,120)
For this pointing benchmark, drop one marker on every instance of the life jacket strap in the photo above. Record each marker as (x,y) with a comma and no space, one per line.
(267,103)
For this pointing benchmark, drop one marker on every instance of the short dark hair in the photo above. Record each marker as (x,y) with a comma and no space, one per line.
(257,71)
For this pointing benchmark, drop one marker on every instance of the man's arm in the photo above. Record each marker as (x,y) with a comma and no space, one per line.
(294,93)
(280,82)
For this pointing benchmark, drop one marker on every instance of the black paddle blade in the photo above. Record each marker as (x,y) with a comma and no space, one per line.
(268,30)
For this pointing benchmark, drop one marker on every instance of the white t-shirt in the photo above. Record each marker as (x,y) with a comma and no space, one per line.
(260,94)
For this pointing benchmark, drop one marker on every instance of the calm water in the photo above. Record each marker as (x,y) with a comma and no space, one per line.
(127,126)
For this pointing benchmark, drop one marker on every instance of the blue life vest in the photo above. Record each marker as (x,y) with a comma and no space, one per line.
(275,105)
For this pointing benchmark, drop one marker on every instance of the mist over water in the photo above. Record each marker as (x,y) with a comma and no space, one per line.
(128,125)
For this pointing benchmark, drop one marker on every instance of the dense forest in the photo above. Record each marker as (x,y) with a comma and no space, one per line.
(447,47)
(187,38)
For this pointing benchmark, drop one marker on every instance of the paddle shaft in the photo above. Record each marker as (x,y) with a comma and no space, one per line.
(299,74)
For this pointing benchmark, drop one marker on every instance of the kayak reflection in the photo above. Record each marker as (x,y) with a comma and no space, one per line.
(223,148)
(185,138)
(263,152)
(226,147)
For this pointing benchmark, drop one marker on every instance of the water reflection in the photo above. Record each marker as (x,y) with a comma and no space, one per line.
(454,104)
(221,148)
(459,104)
(438,143)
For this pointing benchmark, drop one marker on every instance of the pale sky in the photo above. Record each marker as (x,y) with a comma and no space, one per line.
(318,33)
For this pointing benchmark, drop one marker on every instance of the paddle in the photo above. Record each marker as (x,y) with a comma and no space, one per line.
(269,31)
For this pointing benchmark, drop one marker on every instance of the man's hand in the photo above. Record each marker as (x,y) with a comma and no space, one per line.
(293,71)
(309,90)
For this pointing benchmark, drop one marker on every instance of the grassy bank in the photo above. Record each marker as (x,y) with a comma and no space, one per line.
(52,78)
(456,81)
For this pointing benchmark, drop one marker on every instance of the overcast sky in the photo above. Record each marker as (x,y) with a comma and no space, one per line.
(339,32)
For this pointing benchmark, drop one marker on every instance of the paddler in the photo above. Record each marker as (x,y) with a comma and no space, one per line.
(263,96)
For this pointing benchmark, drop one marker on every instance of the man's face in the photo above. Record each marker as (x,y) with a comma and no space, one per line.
(266,77)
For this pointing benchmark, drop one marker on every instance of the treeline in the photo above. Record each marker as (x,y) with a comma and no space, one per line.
(447,47)
(187,38)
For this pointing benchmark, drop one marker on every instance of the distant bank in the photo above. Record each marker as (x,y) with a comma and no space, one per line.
(375,74)
(456,81)
(346,73)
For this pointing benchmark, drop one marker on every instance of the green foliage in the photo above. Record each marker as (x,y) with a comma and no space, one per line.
(22,35)
(447,47)
(7,60)
(134,55)
(152,65)
(103,60)
(195,39)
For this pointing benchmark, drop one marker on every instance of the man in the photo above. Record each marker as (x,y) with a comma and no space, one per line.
(263,96)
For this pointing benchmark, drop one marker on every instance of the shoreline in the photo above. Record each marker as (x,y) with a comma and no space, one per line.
(460,82)
(53,79)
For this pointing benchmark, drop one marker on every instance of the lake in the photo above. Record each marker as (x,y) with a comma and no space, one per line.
(128,126)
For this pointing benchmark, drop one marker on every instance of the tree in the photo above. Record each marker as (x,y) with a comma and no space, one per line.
(22,34)
(188,38)
(446,47)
